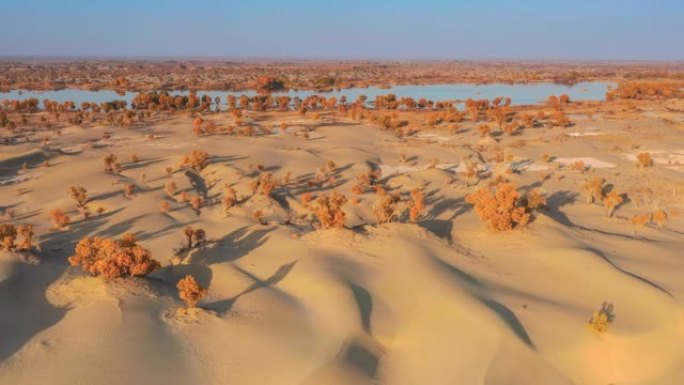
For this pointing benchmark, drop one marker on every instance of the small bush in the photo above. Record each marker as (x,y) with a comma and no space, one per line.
(26,232)
(641,219)
(306,199)
(8,234)
(387,208)
(196,202)
(601,320)
(503,209)
(194,237)
(79,194)
(258,217)
(612,201)
(170,188)
(659,217)
(59,219)
(593,190)
(129,190)
(197,160)
(110,163)
(113,258)
(189,291)
(417,205)
(644,160)
(229,199)
(578,166)
(328,210)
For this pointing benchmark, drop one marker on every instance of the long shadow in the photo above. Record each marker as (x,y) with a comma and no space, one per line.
(561,198)
(441,228)
(141,164)
(24,310)
(232,247)
(364,301)
(197,182)
(629,273)
(120,228)
(61,243)
(222,307)
(479,291)
(357,354)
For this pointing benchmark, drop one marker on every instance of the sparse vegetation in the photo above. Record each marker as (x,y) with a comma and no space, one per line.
(611,201)
(79,194)
(593,190)
(644,160)
(59,219)
(503,209)
(112,259)
(417,205)
(602,319)
(328,210)
(197,160)
(190,291)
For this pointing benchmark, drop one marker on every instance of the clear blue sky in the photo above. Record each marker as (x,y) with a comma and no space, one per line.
(351,29)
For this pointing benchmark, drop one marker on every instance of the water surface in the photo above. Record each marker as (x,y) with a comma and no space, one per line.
(520,94)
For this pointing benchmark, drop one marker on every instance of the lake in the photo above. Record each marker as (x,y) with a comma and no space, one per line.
(520,94)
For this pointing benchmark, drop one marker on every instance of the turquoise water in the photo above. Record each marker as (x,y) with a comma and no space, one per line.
(519,93)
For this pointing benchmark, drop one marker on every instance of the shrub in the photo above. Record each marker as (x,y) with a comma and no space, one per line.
(306,199)
(170,188)
(197,160)
(503,209)
(26,232)
(484,129)
(229,199)
(79,194)
(194,237)
(183,197)
(129,190)
(113,258)
(189,291)
(644,160)
(593,189)
(8,234)
(386,209)
(471,172)
(535,200)
(641,219)
(266,184)
(417,205)
(578,166)
(611,201)
(196,202)
(659,217)
(328,210)
(258,217)
(601,320)
(164,207)
(110,164)
(59,219)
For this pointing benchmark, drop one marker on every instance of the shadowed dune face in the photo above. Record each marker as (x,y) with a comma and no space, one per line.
(444,300)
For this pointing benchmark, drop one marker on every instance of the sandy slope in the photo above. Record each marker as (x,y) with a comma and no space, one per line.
(445,301)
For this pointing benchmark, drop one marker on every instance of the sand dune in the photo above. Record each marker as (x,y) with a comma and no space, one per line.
(442,301)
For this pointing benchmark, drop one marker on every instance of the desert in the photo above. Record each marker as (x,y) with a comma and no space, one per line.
(340,220)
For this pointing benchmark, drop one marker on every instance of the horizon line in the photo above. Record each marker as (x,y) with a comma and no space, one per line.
(328,59)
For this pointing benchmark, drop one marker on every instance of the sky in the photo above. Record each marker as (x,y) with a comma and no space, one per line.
(351,29)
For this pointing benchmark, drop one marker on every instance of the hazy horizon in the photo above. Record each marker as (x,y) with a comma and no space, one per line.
(608,30)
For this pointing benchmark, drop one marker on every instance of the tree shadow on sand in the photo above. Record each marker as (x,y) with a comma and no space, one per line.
(24,309)
(223,306)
